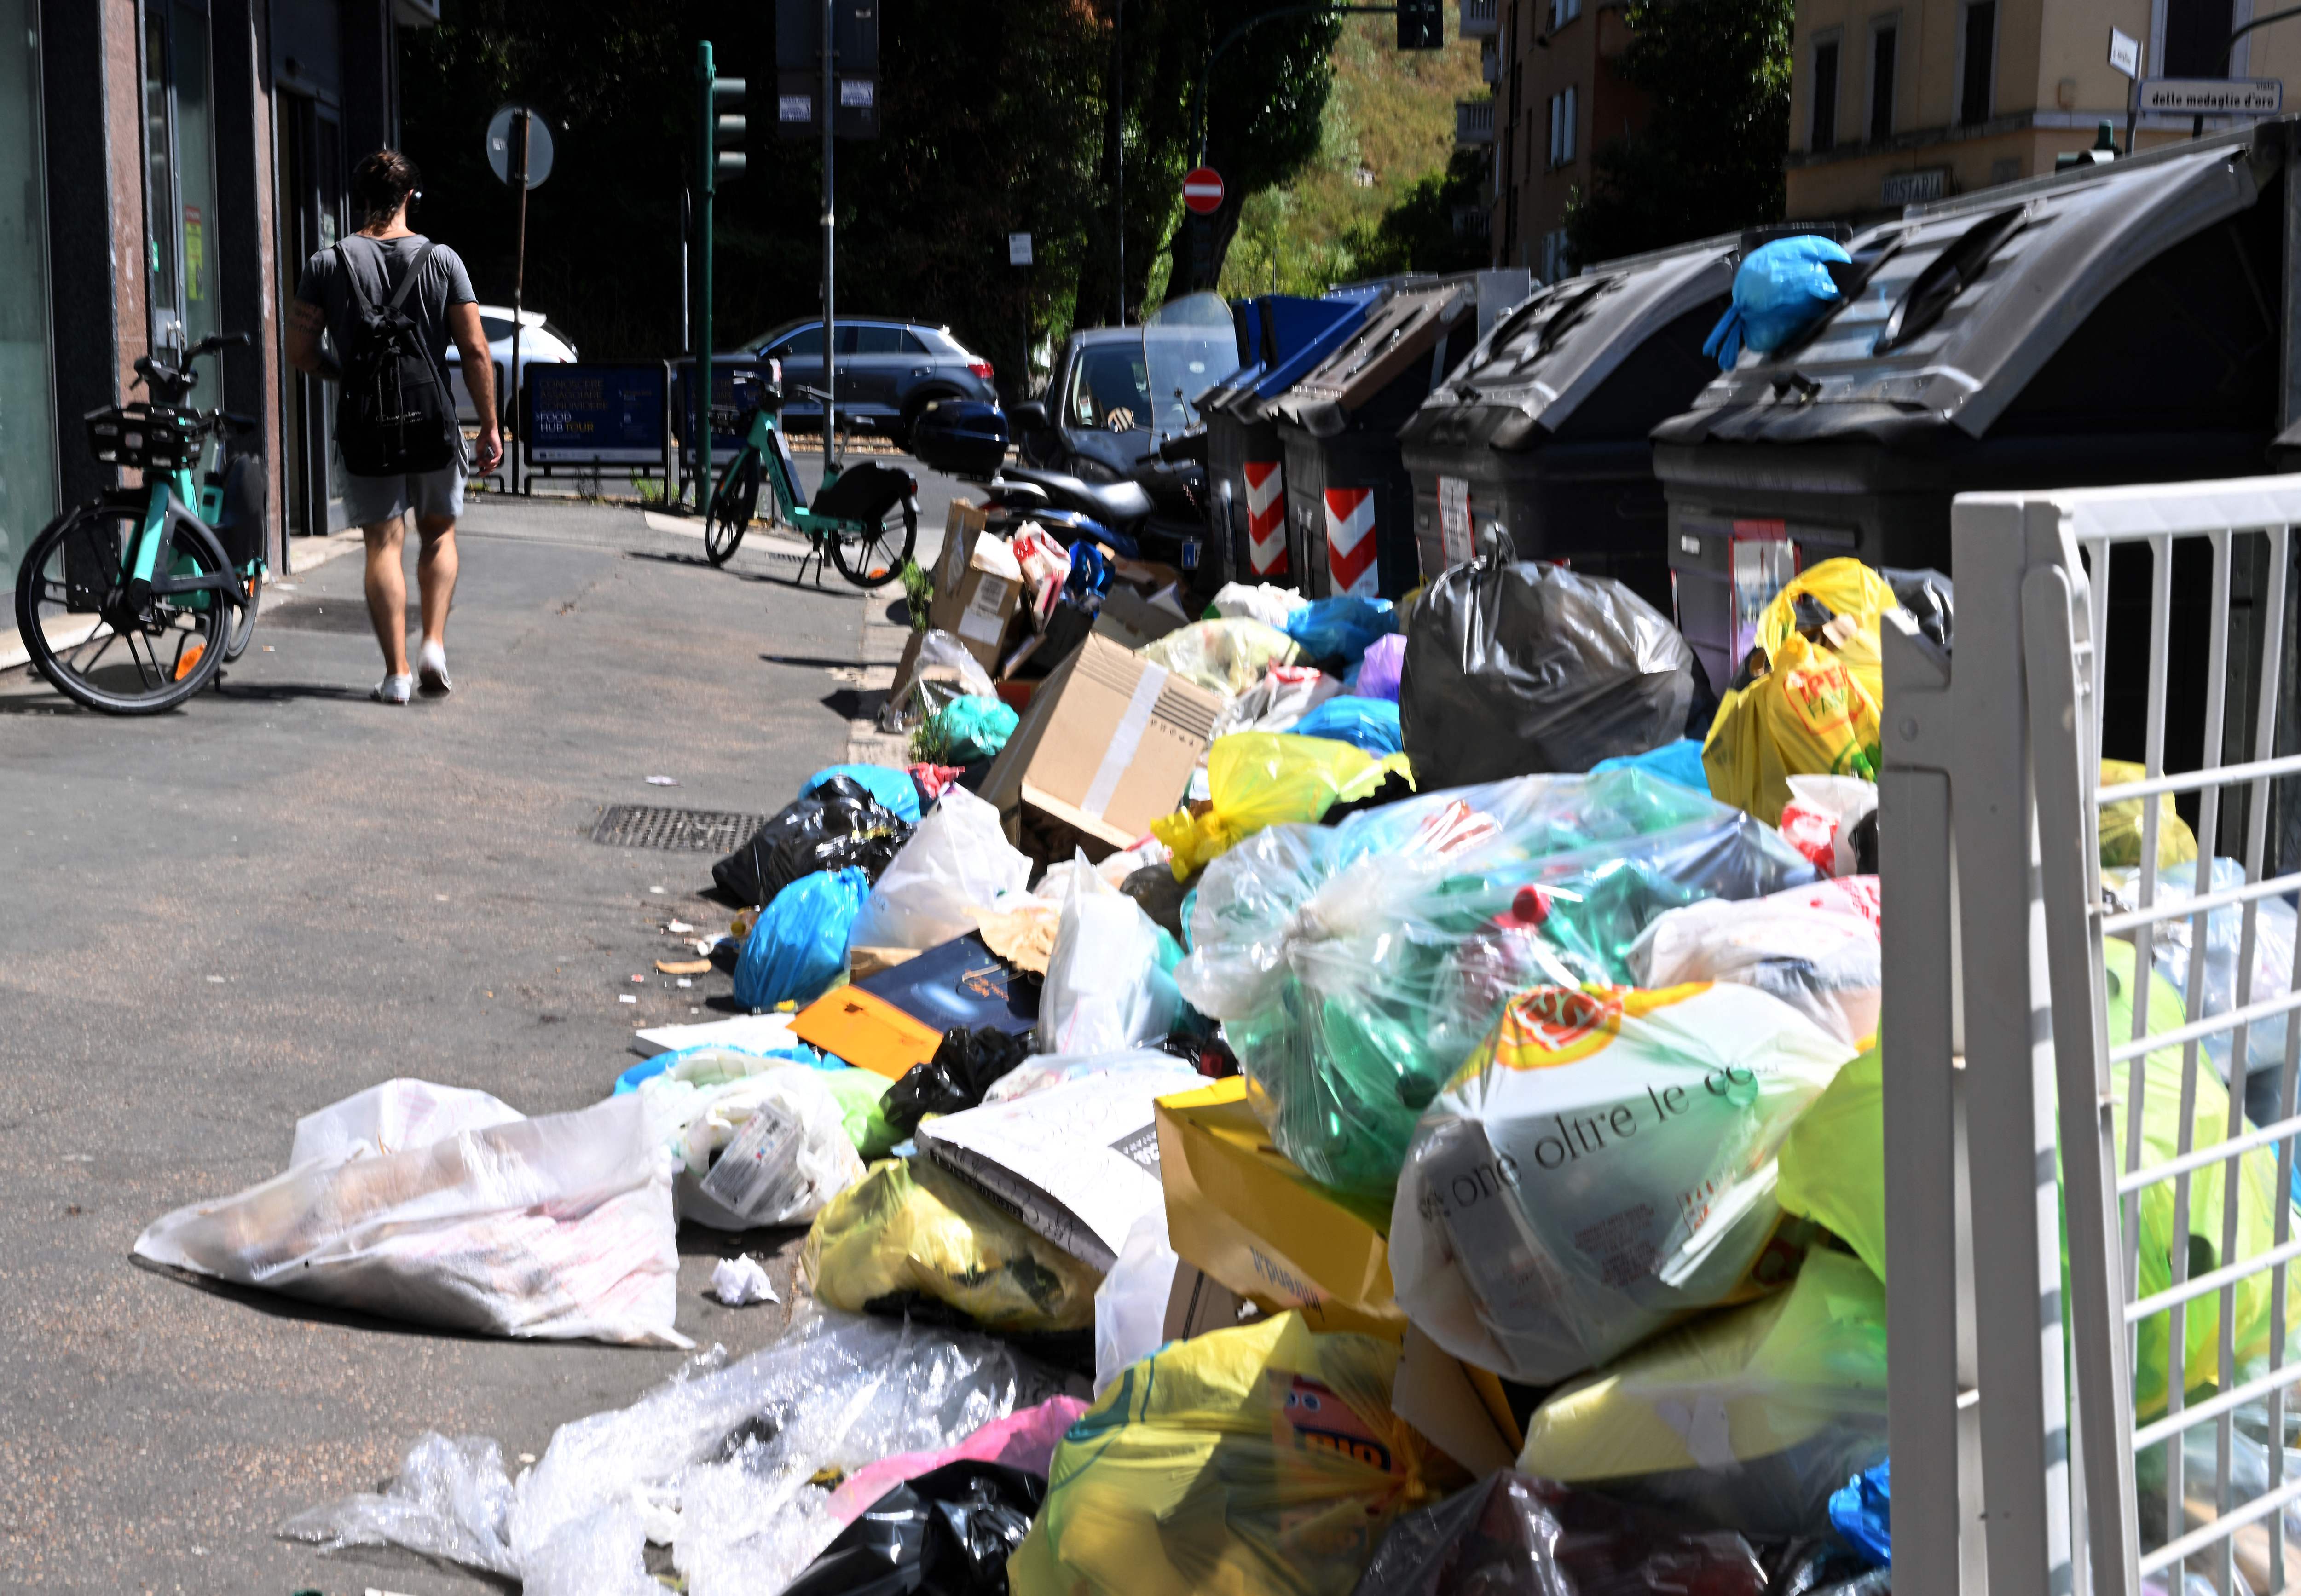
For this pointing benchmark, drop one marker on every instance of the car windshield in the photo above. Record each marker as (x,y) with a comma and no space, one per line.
(1109,388)
(1188,347)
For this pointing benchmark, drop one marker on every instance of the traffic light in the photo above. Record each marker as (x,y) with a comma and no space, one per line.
(725,111)
(1421,24)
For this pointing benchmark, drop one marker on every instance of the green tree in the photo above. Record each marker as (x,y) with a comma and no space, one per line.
(1420,232)
(1709,159)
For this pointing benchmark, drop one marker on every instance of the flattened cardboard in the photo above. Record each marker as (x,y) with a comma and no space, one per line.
(1461,1409)
(1239,1209)
(890,1021)
(1053,761)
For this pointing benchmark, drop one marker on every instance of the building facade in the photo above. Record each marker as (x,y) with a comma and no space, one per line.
(1895,101)
(170,164)
(1557,98)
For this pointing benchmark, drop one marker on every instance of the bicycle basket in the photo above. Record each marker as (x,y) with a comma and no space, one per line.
(148,437)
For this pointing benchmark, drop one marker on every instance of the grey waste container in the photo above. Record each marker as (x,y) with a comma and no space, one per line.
(2117,324)
(1542,431)
(1350,502)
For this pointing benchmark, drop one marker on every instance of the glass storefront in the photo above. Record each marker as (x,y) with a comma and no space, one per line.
(27,455)
(180,177)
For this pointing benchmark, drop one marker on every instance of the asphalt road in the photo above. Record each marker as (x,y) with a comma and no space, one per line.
(223,918)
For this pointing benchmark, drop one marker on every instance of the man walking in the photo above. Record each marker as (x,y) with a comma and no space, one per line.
(390,299)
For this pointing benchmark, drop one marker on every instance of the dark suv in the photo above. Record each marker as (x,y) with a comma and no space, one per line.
(887,371)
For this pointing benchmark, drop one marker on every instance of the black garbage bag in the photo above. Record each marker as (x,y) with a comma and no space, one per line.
(1539,1538)
(1517,668)
(948,1533)
(965,1065)
(838,824)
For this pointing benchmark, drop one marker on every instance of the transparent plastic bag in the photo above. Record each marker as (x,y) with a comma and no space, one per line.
(392,1116)
(1281,698)
(1263,1460)
(1025,1440)
(557,1228)
(914,1230)
(1746,1420)
(1259,602)
(766,1149)
(2170,947)
(956,862)
(1815,948)
(1635,1132)
(1130,1305)
(1823,820)
(1510,1536)
(1109,984)
(1223,657)
(1356,967)
(719,1463)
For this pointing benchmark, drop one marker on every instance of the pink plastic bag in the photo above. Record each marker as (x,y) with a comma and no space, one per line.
(1027,1440)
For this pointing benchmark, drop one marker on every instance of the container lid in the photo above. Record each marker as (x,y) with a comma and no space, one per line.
(1248,397)
(1399,330)
(1553,352)
(1953,308)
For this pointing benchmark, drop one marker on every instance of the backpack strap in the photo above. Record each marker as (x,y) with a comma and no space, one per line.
(382,265)
(415,270)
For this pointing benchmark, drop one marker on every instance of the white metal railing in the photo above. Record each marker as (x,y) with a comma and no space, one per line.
(1474,121)
(2116,621)
(1481,19)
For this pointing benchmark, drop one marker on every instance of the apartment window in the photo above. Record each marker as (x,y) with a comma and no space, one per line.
(1555,260)
(1562,12)
(1822,138)
(1884,38)
(2196,38)
(1561,127)
(1978,44)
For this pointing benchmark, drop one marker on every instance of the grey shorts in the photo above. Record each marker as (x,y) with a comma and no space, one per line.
(368,500)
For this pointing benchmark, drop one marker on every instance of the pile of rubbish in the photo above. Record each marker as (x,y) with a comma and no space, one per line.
(1334,1098)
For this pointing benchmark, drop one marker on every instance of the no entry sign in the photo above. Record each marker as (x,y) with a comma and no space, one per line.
(1203,190)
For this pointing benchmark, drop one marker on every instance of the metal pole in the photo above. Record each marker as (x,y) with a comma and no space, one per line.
(1118,96)
(699,427)
(830,307)
(518,289)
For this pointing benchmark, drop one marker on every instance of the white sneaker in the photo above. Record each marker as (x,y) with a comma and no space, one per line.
(432,668)
(393,690)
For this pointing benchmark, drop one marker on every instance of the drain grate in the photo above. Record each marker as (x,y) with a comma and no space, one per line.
(680,830)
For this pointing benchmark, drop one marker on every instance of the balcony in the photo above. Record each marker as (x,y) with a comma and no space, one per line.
(1482,19)
(1474,121)
(1490,61)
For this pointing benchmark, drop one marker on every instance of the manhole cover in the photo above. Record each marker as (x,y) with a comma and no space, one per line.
(683,831)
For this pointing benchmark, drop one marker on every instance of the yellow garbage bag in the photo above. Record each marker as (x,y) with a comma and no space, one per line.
(1846,588)
(2121,824)
(1808,715)
(911,1227)
(1742,1420)
(1832,1172)
(1259,1461)
(1258,778)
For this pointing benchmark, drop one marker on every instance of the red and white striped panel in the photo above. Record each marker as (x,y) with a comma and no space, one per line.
(1266,517)
(1350,542)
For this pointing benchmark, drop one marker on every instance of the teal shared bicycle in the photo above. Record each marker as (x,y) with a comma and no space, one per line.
(133,601)
(866,518)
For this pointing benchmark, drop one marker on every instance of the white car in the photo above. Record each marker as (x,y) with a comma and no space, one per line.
(539,343)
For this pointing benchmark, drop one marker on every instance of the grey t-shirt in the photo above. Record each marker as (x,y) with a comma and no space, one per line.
(445,282)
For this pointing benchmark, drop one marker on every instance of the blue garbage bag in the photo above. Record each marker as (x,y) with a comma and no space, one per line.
(1779,291)
(892,788)
(1679,762)
(1341,628)
(1862,1510)
(1369,723)
(798,945)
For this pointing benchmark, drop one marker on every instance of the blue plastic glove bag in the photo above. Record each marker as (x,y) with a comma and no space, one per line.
(1341,628)
(890,787)
(1369,723)
(1779,291)
(1679,762)
(1862,1510)
(799,946)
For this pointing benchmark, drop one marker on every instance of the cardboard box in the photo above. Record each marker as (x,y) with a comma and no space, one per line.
(977,589)
(1106,747)
(1239,1209)
(1132,621)
(1463,1410)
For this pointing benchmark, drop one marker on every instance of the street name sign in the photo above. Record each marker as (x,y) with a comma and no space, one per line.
(2213,97)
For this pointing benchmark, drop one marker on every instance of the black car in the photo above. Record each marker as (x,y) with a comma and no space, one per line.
(1122,391)
(887,371)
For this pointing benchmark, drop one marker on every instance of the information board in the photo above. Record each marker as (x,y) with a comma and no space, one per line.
(584,414)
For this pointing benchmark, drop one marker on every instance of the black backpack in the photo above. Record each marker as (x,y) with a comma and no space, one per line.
(397,415)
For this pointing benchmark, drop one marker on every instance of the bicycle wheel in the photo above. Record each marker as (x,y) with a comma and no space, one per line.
(100,647)
(732,509)
(875,556)
(243,626)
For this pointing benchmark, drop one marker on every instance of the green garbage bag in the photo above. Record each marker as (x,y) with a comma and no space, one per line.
(963,732)
(1356,967)
(1832,1170)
